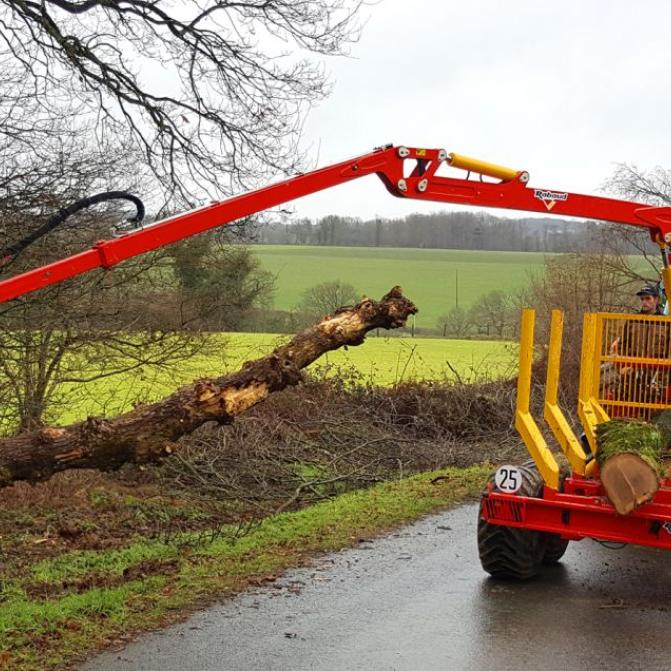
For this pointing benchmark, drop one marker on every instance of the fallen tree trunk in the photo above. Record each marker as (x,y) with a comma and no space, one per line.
(630,462)
(149,432)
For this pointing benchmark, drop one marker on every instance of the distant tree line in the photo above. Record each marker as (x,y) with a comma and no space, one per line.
(440,230)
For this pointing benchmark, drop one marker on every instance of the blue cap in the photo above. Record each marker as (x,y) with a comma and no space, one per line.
(648,290)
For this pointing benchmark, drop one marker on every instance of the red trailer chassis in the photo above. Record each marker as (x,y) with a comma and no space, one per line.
(582,510)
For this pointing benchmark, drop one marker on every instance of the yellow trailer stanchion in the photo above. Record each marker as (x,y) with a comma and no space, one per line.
(586,411)
(524,422)
(553,414)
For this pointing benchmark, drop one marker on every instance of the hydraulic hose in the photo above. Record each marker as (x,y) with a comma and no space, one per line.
(10,253)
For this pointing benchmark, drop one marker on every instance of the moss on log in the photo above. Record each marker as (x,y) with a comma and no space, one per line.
(621,436)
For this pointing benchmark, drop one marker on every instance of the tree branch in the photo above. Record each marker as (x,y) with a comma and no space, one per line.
(148,433)
(235,82)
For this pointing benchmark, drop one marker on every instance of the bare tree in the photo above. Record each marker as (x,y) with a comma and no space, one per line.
(648,186)
(493,311)
(456,323)
(56,341)
(575,284)
(211,93)
(579,283)
(634,256)
(322,299)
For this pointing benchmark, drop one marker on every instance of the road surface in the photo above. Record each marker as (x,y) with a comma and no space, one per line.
(418,600)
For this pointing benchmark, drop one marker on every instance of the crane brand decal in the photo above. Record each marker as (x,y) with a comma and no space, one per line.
(549,198)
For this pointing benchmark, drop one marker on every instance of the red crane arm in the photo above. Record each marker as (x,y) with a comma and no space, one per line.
(420,182)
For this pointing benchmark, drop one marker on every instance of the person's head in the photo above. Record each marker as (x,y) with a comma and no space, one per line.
(649,297)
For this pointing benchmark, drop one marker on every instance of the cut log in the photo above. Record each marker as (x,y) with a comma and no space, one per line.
(629,481)
(150,433)
(630,463)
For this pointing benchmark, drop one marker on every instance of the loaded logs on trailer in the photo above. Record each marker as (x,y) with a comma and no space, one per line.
(631,459)
(150,433)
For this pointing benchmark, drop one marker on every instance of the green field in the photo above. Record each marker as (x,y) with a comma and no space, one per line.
(380,361)
(428,276)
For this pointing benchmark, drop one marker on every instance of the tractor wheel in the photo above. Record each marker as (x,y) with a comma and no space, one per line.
(554,549)
(511,552)
(555,545)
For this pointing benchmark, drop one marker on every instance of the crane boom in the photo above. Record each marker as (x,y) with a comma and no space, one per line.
(405,172)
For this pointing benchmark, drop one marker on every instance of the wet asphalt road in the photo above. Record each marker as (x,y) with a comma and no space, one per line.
(418,600)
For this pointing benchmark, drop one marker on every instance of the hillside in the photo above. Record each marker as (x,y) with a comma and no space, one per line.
(428,276)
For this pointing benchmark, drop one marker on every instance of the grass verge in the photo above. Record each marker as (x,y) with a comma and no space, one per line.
(81,601)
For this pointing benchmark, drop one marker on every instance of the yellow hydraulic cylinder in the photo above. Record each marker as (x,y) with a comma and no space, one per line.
(666,279)
(482,167)
(524,422)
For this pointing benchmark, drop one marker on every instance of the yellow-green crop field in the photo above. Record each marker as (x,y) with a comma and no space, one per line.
(379,361)
(435,279)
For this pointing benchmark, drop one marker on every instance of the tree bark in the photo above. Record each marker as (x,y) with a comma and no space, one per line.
(150,433)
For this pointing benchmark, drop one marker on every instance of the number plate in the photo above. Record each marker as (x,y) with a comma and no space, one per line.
(508,479)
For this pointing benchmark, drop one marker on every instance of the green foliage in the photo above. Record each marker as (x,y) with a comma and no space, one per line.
(220,283)
(99,497)
(189,262)
(620,436)
(82,563)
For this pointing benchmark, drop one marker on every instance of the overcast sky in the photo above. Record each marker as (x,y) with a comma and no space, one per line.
(561,89)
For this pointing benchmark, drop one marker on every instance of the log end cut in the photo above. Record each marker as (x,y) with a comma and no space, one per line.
(629,481)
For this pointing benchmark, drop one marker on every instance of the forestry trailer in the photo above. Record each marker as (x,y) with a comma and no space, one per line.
(528,513)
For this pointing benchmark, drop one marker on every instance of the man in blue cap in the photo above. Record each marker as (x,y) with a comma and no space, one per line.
(649,296)
(644,339)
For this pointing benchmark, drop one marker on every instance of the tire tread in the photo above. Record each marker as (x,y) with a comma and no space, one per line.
(514,553)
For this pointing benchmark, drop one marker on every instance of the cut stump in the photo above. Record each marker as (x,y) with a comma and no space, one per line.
(630,462)
(629,481)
